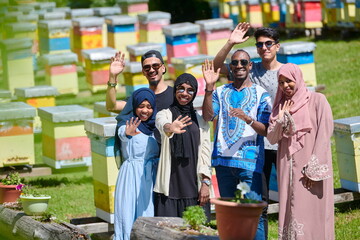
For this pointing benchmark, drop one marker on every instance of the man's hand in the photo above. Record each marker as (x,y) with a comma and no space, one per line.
(237,35)
(210,75)
(117,64)
(237,112)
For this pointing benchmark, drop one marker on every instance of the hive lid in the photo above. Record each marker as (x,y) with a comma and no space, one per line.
(54,24)
(88,22)
(179,29)
(195,60)
(120,20)
(60,9)
(100,107)
(154,15)
(52,15)
(349,125)
(106,11)
(132,1)
(141,48)
(80,12)
(104,127)
(16,110)
(215,24)
(20,27)
(5,93)
(36,91)
(16,43)
(66,113)
(45,5)
(58,59)
(98,54)
(296,47)
(133,67)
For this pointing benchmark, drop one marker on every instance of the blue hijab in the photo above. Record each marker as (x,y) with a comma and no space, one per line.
(147,127)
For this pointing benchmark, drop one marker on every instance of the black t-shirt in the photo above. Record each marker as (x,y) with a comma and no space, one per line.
(163,101)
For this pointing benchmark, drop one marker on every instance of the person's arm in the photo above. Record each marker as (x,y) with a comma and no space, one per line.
(236,37)
(259,127)
(116,67)
(210,77)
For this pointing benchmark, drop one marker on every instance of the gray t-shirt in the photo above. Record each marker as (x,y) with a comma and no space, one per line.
(268,80)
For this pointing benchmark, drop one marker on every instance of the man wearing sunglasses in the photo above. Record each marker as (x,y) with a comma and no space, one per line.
(153,69)
(264,74)
(242,109)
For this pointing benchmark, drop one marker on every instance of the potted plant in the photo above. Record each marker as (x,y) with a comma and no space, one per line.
(33,202)
(10,187)
(238,218)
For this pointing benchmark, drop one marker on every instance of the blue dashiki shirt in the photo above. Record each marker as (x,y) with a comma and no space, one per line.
(236,144)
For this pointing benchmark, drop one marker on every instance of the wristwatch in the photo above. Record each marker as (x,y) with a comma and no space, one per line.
(111,84)
(206,181)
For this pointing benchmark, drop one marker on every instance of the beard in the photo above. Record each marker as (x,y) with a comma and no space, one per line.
(154,83)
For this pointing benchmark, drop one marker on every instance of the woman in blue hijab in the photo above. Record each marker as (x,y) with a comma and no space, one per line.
(139,150)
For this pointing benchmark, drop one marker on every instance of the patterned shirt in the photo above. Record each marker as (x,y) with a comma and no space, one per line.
(236,144)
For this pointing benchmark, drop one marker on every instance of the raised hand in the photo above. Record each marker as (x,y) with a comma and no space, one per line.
(286,108)
(237,35)
(131,126)
(117,64)
(209,74)
(179,123)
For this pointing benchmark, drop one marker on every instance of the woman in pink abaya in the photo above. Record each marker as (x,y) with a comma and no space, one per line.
(302,124)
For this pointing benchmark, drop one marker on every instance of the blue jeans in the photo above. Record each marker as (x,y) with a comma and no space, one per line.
(228,178)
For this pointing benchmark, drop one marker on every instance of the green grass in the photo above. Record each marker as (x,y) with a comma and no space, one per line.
(337,67)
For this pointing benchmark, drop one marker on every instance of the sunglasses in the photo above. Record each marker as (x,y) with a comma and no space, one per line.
(155,66)
(190,91)
(243,62)
(268,44)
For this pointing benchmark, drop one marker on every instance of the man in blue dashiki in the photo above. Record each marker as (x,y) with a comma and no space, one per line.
(242,109)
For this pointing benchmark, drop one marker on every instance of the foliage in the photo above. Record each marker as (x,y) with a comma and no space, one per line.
(29,190)
(12,178)
(194,216)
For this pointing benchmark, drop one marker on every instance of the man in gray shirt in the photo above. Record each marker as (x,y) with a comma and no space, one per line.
(264,74)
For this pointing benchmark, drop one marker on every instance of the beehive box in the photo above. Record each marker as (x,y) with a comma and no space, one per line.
(15,53)
(60,72)
(302,54)
(347,139)
(103,12)
(97,64)
(181,40)
(101,131)
(213,34)
(150,27)
(121,32)
(54,36)
(16,127)
(37,96)
(57,15)
(63,131)
(5,96)
(136,51)
(87,34)
(134,79)
(133,7)
(101,111)
(254,14)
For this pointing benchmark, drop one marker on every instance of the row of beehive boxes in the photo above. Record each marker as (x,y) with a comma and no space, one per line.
(305,14)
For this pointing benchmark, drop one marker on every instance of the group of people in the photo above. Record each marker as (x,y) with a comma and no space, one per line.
(264,116)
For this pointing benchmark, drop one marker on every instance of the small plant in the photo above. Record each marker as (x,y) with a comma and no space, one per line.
(242,189)
(12,178)
(194,216)
(29,190)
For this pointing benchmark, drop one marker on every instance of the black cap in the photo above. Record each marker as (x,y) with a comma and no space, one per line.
(152,53)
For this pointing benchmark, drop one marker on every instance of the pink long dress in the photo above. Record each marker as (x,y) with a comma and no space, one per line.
(306,214)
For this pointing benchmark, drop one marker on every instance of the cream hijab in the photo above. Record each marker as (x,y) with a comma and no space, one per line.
(299,111)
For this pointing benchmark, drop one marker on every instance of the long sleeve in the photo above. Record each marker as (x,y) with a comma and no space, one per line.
(319,166)
(281,127)
(204,159)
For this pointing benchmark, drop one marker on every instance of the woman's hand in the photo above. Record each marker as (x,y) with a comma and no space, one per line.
(209,74)
(178,124)
(117,64)
(286,108)
(131,126)
(204,194)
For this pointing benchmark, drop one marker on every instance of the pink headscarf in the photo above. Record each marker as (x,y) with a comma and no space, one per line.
(299,111)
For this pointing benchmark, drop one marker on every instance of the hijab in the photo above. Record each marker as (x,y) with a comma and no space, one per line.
(299,111)
(179,142)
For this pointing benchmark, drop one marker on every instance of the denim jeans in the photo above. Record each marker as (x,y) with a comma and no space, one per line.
(228,178)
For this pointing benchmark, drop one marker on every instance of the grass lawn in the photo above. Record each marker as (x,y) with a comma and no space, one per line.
(337,67)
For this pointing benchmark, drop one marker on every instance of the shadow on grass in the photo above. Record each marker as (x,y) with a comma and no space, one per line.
(347,206)
(54,182)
